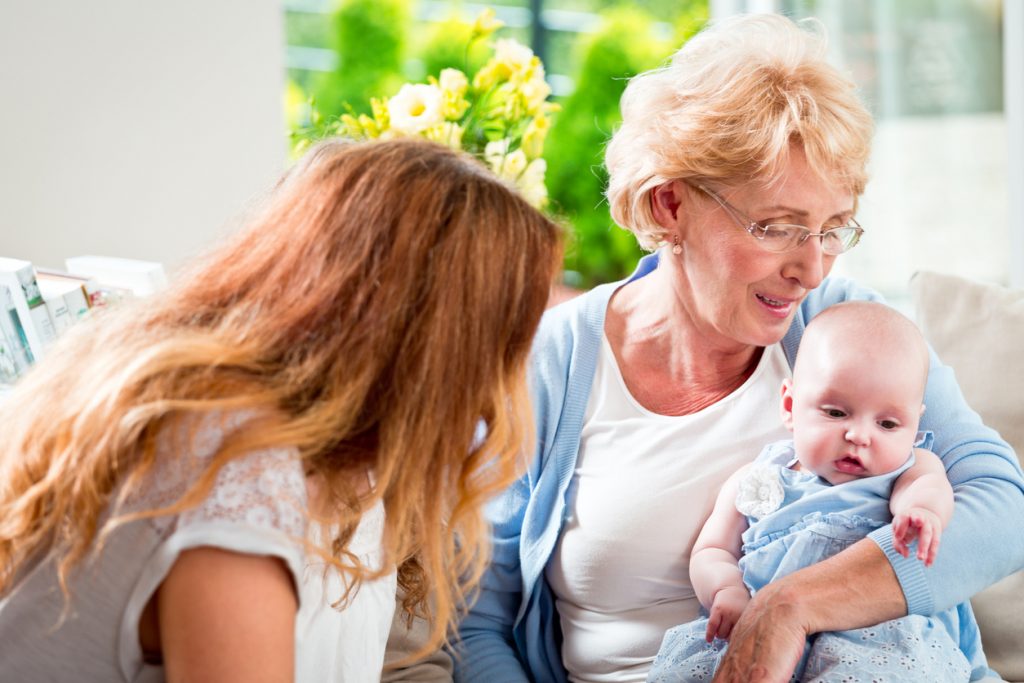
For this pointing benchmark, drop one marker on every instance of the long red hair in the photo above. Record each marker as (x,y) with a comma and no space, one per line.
(380,306)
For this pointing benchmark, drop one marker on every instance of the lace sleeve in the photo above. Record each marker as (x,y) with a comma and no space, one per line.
(263,490)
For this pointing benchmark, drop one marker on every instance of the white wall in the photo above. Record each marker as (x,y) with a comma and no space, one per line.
(134,128)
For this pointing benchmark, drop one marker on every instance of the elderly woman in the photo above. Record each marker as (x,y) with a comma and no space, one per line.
(740,163)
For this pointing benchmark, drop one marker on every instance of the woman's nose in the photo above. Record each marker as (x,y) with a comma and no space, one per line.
(807,264)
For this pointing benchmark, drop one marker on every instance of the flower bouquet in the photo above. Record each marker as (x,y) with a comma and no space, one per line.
(499,115)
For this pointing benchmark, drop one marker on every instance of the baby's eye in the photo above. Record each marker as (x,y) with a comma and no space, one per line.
(834,412)
(888,424)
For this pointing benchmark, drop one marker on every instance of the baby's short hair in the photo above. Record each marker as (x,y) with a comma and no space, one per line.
(873,325)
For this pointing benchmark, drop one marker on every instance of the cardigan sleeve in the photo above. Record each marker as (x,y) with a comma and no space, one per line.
(982,543)
(486,647)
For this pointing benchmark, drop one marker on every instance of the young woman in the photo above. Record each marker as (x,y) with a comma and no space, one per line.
(226,482)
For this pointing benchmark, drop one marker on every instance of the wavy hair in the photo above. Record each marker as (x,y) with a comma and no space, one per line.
(728,107)
(379,307)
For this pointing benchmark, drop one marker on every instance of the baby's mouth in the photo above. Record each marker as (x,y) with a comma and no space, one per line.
(849,465)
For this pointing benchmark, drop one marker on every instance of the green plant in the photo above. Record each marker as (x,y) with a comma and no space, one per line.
(449,44)
(369,38)
(624,45)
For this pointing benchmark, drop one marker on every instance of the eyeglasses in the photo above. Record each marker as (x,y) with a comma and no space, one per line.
(779,237)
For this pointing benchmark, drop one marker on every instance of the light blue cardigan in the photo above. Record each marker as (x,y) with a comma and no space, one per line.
(513,634)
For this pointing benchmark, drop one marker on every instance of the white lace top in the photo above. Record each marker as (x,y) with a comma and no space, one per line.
(258,506)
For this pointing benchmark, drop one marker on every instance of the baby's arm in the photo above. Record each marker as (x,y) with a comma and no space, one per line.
(921,504)
(714,563)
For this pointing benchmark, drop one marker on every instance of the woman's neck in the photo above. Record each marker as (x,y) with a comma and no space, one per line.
(669,365)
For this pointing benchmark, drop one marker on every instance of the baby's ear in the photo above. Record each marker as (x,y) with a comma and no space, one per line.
(786,404)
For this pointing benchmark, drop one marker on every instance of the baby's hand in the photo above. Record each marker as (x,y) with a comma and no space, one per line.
(925,526)
(726,609)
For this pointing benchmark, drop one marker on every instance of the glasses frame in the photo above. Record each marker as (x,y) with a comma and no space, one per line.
(758,231)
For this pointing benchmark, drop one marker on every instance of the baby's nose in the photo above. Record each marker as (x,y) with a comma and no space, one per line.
(857,436)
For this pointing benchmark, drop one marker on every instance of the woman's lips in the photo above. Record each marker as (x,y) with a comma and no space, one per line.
(777,307)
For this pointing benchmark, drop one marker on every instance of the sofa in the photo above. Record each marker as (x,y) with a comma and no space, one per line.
(978,330)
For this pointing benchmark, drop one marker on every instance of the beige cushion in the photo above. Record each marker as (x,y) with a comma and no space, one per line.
(978,330)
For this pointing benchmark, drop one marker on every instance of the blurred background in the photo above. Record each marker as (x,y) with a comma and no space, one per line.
(141,129)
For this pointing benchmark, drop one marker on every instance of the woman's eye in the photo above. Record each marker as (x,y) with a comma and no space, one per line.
(834,412)
(778,233)
(888,424)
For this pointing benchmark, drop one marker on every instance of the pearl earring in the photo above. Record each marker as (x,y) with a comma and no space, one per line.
(677,248)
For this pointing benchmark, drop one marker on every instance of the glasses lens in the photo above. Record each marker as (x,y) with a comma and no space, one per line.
(839,240)
(781,237)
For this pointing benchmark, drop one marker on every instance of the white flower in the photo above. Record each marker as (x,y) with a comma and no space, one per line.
(453,81)
(760,491)
(512,165)
(416,108)
(514,55)
(531,183)
(495,151)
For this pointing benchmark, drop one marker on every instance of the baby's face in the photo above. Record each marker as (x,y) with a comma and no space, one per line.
(853,414)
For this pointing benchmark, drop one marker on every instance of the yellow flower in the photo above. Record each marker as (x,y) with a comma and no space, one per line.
(535,90)
(489,74)
(485,24)
(510,59)
(448,133)
(379,108)
(534,136)
(453,85)
(416,108)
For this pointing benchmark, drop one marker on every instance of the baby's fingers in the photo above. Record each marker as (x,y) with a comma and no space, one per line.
(900,527)
(928,544)
(713,622)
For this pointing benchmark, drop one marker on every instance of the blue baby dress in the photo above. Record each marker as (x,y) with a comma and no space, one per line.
(797,519)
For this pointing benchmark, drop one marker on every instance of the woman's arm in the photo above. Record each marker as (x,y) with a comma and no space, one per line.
(981,544)
(853,589)
(226,616)
(485,648)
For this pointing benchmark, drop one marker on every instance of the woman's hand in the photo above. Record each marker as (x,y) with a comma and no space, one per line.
(853,589)
(767,641)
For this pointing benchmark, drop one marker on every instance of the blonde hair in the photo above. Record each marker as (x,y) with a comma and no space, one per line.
(728,107)
(380,307)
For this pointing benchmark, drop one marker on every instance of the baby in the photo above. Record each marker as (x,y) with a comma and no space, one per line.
(853,407)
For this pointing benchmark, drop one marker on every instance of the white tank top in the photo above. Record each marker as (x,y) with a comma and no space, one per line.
(643,485)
